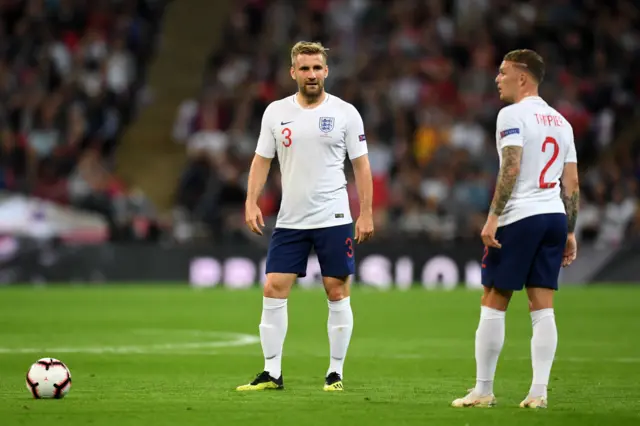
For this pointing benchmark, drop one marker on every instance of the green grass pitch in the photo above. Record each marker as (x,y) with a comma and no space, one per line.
(171,355)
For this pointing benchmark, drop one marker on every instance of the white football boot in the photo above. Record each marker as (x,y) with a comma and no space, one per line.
(537,402)
(474,400)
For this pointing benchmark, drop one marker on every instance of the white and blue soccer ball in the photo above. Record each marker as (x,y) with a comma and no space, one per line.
(48,378)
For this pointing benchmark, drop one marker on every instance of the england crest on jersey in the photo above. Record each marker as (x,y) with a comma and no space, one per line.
(326,124)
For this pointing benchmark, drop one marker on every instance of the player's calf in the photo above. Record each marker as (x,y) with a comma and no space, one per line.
(274,323)
(339,328)
(544,342)
(490,336)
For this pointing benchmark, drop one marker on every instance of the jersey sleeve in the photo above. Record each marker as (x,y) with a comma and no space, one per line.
(509,128)
(572,155)
(355,137)
(266,141)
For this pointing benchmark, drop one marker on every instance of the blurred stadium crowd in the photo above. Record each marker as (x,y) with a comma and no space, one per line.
(421,73)
(72,75)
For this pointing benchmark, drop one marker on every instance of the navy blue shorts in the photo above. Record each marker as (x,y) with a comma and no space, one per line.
(289,250)
(531,253)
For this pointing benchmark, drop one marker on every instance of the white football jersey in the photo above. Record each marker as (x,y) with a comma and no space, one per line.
(547,144)
(312,145)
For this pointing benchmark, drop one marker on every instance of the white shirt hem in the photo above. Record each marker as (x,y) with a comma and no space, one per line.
(511,218)
(324,225)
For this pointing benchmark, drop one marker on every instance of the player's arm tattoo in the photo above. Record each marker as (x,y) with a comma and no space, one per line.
(509,171)
(571,202)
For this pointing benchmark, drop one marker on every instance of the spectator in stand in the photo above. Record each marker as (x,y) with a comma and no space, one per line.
(70,74)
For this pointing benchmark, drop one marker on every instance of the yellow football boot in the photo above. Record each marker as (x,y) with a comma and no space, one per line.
(263,381)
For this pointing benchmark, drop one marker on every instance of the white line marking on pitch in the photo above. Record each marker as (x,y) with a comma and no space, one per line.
(226,340)
(561,359)
(628,360)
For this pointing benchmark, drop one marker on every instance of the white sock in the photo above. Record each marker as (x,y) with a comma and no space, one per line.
(543,349)
(273,329)
(339,327)
(489,341)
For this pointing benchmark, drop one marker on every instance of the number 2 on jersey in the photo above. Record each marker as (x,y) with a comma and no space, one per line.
(556,149)
(287,137)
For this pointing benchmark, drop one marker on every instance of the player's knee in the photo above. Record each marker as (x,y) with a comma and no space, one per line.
(485,295)
(275,289)
(278,285)
(336,288)
(536,306)
(336,293)
(497,299)
(540,298)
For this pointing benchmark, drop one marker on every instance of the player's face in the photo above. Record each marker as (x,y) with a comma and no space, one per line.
(309,71)
(509,80)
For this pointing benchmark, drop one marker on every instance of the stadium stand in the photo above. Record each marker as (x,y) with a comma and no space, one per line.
(422,76)
(72,77)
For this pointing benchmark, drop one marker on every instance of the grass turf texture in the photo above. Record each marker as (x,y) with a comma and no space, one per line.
(410,356)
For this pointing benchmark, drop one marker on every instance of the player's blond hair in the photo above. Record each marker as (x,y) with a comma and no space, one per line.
(308,48)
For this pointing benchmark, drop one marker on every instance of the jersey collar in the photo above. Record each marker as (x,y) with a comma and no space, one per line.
(295,101)
(532,98)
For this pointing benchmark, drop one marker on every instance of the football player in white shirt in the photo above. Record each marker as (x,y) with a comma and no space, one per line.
(529,233)
(312,133)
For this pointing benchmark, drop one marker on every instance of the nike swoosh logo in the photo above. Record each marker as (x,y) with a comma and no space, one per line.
(282,123)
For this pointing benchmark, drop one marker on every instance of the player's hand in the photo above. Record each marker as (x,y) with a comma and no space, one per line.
(364,228)
(488,233)
(253,218)
(570,250)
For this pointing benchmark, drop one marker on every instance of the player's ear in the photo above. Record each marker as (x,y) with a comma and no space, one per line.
(523,78)
(292,71)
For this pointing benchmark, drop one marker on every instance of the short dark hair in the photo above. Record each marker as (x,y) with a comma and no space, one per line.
(529,60)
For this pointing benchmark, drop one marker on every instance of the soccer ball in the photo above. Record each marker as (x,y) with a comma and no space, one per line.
(48,378)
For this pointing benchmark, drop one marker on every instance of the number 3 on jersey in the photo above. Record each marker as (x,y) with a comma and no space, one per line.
(287,137)
(556,149)
(349,244)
